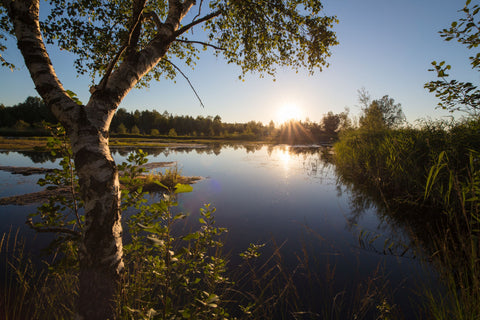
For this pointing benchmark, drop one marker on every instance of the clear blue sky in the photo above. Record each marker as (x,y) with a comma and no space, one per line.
(385,46)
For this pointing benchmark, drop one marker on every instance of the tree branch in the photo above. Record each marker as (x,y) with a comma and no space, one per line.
(194,23)
(137,17)
(175,11)
(25,18)
(74,233)
(202,43)
(199,11)
(112,64)
(188,80)
(188,4)
(124,77)
(152,15)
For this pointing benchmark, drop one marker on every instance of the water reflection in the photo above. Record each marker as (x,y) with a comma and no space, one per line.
(38,157)
(398,223)
(286,195)
(213,148)
(442,244)
(284,157)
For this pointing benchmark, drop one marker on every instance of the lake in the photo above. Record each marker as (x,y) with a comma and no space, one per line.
(286,196)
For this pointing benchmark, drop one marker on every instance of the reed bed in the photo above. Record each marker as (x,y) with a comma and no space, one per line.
(428,179)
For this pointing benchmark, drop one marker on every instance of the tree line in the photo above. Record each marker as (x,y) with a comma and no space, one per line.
(28,116)
(25,115)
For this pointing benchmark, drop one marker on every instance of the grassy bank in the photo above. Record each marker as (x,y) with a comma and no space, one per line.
(22,143)
(397,161)
(40,143)
(165,141)
(426,179)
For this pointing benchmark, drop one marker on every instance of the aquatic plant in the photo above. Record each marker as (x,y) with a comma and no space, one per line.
(427,179)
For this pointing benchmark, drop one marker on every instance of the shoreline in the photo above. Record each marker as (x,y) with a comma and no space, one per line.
(39,143)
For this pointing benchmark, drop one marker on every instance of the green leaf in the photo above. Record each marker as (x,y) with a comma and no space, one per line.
(212,298)
(186,314)
(191,236)
(151,229)
(179,216)
(183,188)
(74,97)
(161,184)
(156,241)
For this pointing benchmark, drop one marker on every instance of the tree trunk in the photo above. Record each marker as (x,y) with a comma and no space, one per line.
(100,252)
(101,249)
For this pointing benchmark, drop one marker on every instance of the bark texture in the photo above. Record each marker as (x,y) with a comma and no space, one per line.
(101,254)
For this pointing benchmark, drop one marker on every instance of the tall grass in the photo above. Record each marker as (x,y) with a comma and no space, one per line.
(30,292)
(428,178)
(457,248)
(255,289)
(15,283)
(397,161)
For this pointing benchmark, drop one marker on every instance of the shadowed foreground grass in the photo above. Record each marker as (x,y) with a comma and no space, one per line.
(255,289)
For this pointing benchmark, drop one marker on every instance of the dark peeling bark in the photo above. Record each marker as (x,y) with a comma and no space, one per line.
(101,254)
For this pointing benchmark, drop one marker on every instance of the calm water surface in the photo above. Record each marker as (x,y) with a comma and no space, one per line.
(263,194)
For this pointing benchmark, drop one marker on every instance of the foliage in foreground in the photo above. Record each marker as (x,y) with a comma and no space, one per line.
(180,276)
(166,275)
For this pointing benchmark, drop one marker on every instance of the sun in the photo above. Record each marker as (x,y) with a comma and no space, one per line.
(288,112)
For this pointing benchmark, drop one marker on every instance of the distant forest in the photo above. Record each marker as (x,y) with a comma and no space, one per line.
(26,118)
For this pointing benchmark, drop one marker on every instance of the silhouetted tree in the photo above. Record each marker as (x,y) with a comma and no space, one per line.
(331,122)
(382,113)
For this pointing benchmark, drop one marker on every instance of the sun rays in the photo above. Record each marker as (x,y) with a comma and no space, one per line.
(289,112)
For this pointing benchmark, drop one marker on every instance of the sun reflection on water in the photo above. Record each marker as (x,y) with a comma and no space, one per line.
(285,159)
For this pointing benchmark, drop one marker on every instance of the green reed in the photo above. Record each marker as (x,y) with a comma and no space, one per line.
(30,292)
(428,178)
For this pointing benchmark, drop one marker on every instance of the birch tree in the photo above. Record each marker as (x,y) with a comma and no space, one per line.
(125,44)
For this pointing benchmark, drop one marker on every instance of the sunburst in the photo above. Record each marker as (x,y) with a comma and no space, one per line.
(288,112)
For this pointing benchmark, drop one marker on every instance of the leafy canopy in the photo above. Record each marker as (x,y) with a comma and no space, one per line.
(256,35)
(456,95)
